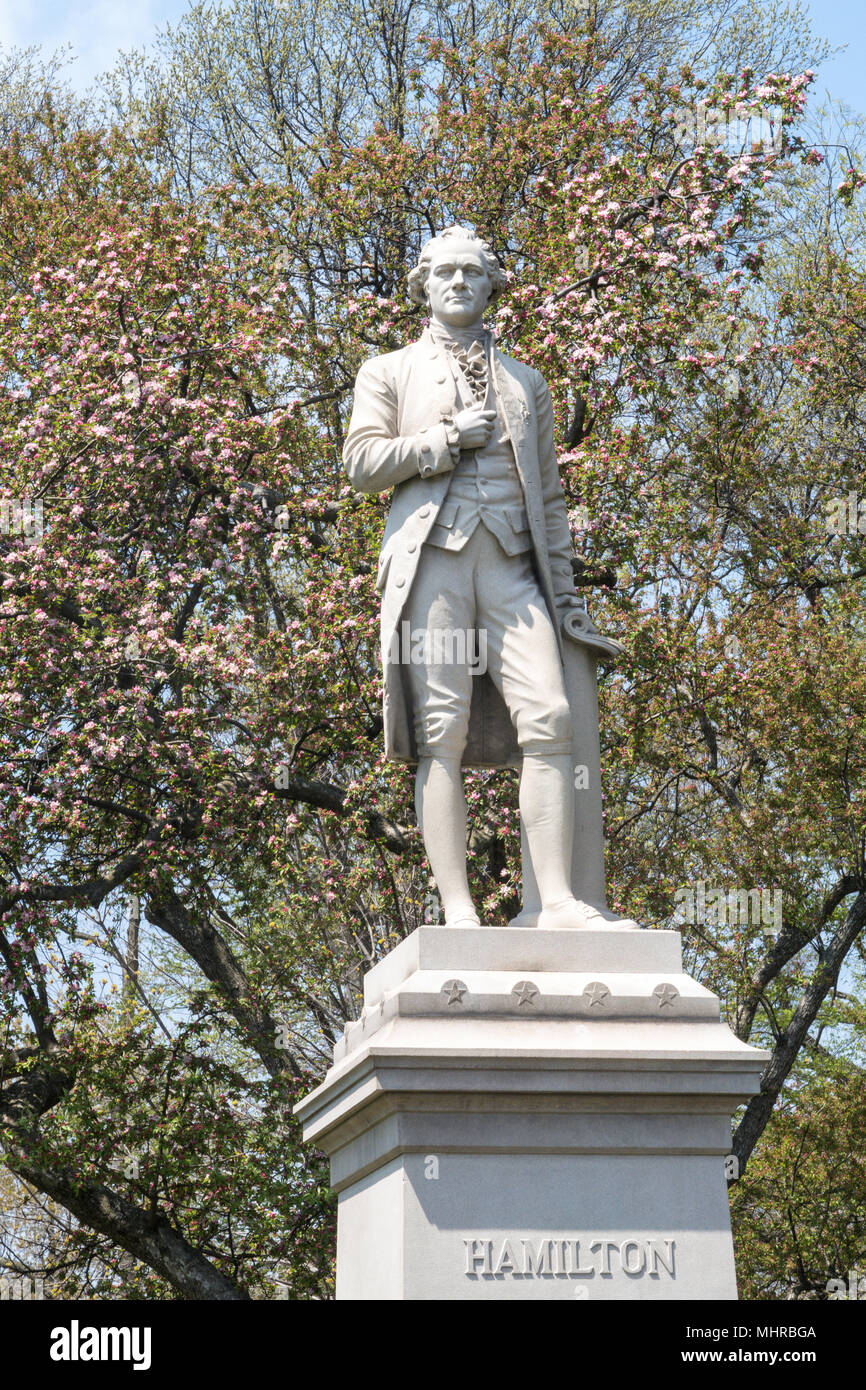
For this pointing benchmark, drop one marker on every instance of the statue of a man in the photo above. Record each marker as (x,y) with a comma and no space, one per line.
(475,561)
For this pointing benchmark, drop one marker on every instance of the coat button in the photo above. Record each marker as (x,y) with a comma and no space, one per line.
(412,547)
(424,512)
(399,583)
(441,380)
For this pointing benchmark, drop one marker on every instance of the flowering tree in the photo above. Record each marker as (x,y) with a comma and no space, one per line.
(132,341)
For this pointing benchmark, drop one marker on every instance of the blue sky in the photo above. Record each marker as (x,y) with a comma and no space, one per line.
(95,28)
(98,28)
(842,22)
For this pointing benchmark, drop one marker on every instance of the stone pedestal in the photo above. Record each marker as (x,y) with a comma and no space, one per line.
(522,1114)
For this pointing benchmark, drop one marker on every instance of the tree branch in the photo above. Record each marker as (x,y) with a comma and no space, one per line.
(760,1108)
(212,954)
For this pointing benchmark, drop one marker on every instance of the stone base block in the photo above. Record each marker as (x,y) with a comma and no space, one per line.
(533,1115)
(537,1226)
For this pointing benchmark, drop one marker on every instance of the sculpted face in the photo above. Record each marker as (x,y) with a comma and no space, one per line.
(458,285)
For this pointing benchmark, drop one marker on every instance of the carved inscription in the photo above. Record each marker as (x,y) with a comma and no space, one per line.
(491,1257)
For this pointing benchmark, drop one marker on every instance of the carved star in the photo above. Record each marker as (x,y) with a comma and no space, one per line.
(666,994)
(455,990)
(596,993)
(525,992)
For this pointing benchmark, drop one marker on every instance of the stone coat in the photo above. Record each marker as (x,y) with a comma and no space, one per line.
(400,401)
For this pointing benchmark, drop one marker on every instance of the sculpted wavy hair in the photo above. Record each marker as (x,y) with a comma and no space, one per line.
(417,278)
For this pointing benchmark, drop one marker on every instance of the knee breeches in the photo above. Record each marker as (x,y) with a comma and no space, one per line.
(480,600)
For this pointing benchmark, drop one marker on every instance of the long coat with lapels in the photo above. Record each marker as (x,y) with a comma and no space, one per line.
(401,399)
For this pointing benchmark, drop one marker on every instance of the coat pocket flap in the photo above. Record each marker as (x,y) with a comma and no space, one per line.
(447,514)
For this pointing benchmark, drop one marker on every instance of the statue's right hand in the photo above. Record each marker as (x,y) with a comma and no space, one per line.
(475,427)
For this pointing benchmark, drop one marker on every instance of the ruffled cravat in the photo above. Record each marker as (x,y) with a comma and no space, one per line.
(469,348)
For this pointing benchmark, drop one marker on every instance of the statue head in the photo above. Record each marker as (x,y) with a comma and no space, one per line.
(456,277)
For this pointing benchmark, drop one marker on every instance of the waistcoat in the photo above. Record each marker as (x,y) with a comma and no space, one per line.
(485,486)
